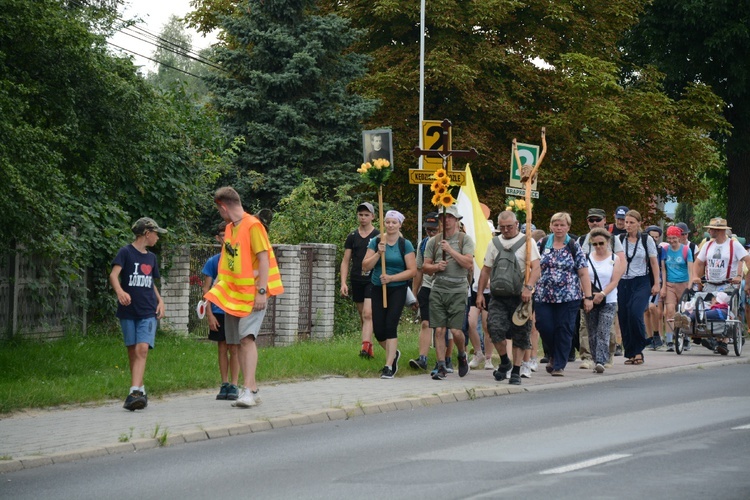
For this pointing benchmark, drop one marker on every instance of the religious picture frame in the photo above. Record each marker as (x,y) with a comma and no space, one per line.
(377,144)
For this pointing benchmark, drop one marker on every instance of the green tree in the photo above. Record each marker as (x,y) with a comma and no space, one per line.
(87,146)
(707,41)
(284,89)
(611,139)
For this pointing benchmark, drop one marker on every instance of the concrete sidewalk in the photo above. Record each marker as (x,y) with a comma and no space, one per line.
(43,437)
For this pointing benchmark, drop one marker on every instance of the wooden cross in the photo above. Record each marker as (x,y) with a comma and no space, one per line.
(445,153)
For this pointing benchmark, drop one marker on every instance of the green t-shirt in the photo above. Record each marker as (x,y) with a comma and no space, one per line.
(454,277)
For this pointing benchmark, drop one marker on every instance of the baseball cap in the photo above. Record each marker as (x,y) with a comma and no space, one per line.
(654,228)
(431,220)
(621,211)
(146,224)
(683,227)
(452,210)
(597,212)
(366,206)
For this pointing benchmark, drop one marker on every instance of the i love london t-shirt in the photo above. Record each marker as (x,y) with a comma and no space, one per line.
(137,279)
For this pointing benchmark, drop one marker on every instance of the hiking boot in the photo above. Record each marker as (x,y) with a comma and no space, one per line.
(223,391)
(366,351)
(386,373)
(500,375)
(439,373)
(709,344)
(136,400)
(721,348)
(515,379)
(448,365)
(233,392)
(418,364)
(463,365)
(681,321)
(477,360)
(618,350)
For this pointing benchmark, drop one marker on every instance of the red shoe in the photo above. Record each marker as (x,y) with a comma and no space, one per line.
(366,351)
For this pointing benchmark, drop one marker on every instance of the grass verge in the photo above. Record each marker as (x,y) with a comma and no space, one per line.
(94,368)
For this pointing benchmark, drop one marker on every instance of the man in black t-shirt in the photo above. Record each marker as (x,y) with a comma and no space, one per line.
(355,248)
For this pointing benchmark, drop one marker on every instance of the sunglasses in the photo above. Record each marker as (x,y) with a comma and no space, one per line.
(229,248)
(594,219)
(598,243)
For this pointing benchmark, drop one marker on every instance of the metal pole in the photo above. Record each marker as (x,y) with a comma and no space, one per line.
(421,112)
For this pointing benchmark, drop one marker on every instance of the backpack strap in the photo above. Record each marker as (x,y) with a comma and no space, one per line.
(401,247)
(685,249)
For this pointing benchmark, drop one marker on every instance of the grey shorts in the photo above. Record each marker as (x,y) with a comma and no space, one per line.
(447,309)
(500,322)
(236,329)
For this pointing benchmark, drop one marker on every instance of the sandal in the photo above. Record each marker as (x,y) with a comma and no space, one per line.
(638,360)
(630,361)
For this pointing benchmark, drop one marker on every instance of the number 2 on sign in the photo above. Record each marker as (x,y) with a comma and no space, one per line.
(435,130)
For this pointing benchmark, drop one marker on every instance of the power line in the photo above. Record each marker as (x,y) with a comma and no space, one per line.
(154,60)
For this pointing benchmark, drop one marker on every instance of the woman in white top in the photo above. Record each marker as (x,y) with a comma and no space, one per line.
(605,273)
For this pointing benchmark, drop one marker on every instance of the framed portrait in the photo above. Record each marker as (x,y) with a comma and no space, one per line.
(377,144)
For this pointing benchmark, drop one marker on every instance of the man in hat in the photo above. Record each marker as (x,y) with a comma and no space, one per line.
(139,304)
(501,308)
(422,286)
(719,262)
(449,257)
(355,248)
(619,226)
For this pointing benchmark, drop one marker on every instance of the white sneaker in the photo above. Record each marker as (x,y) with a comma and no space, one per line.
(586,365)
(525,370)
(246,399)
(488,364)
(533,364)
(477,360)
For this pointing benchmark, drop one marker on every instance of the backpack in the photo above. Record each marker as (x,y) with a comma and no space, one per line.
(401,247)
(506,277)
(439,236)
(572,247)
(644,240)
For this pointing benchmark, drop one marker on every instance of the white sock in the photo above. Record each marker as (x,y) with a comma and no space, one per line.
(142,389)
(134,388)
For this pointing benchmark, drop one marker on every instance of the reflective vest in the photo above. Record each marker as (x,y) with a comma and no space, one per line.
(234,289)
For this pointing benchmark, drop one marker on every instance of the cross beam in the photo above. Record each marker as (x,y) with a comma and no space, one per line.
(446,153)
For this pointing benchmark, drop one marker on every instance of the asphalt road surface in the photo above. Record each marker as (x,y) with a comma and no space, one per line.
(682,435)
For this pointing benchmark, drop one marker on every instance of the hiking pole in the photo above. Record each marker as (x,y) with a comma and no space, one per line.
(382,238)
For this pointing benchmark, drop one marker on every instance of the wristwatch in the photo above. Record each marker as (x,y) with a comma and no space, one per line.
(590,297)
(261,291)
(529,288)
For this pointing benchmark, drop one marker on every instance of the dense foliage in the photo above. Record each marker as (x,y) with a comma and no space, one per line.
(283,89)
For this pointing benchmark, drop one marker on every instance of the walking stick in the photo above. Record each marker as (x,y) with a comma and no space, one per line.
(527,176)
(382,238)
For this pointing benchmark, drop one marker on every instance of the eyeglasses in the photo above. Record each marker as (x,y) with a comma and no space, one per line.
(594,219)
(598,243)
(431,230)
(506,228)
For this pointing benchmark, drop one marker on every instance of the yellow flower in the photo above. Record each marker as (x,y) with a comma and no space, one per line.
(435,186)
(444,180)
(436,199)
(508,209)
(512,203)
(441,190)
(520,204)
(447,200)
(440,174)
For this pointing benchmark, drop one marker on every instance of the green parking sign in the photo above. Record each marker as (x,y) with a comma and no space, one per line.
(529,154)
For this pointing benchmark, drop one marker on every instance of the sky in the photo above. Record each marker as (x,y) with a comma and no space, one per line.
(154,15)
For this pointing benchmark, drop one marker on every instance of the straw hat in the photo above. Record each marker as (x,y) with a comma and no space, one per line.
(718,223)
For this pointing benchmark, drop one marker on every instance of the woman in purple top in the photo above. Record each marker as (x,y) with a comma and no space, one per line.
(562,285)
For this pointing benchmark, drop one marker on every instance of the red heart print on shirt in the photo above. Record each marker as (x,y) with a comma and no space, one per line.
(146,269)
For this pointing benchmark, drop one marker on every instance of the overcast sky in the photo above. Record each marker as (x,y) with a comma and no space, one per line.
(154,15)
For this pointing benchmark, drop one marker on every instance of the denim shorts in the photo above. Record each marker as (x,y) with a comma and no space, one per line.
(138,331)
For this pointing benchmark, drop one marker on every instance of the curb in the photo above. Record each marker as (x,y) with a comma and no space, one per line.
(329,415)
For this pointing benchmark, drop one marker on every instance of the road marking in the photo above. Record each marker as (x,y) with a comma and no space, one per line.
(741,428)
(584,464)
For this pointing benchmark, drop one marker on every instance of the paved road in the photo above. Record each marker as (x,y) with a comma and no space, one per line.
(678,435)
(37,438)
